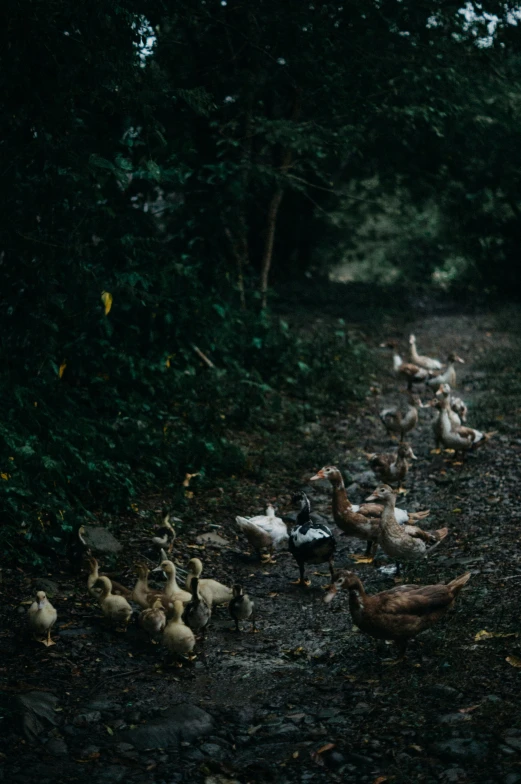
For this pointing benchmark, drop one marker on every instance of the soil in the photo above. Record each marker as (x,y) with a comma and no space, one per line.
(308,698)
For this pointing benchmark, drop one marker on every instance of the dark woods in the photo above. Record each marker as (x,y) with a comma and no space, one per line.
(165,165)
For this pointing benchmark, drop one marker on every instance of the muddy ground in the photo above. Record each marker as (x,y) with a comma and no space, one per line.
(308,698)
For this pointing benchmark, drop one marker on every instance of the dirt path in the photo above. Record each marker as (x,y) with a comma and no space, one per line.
(307,699)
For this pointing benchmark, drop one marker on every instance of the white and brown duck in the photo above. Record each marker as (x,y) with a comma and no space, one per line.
(407,371)
(392,469)
(449,375)
(421,361)
(400,422)
(361,521)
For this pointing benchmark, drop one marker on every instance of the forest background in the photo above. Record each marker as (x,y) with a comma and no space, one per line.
(175,174)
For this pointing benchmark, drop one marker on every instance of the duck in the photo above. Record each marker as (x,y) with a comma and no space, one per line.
(164,536)
(212,591)
(41,617)
(172,590)
(197,612)
(94,575)
(424,362)
(459,407)
(408,371)
(178,638)
(449,375)
(116,609)
(400,613)
(241,608)
(396,421)
(153,619)
(392,469)
(460,438)
(262,531)
(402,543)
(361,521)
(310,542)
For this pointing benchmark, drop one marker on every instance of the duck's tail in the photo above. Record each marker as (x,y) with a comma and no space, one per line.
(419,515)
(456,585)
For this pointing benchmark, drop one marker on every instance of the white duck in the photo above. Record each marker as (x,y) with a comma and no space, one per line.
(424,362)
(449,375)
(41,617)
(264,531)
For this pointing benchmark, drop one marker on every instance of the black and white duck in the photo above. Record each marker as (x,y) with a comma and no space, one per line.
(310,541)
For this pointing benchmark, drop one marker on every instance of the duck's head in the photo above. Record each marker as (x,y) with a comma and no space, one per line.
(142,571)
(300,499)
(341,581)
(443,391)
(103,585)
(328,472)
(237,591)
(381,493)
(412,340)
(41,599)
(453,357)
(195,566)
(167,567)
(405,450)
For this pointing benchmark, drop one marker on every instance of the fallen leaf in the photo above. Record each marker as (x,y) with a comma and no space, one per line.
(515,661)
(380,779)
(61,370)
(295,754)
(484,635)
(272,595)
(188,478)
(456,511)
(327,747)
(106,298)
(468,710)
(5,477)
(109,729)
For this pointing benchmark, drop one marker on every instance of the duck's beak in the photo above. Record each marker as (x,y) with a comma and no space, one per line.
(413,456)
(373,497)
(331,593)
(318,475)
(41,604)
(459,359)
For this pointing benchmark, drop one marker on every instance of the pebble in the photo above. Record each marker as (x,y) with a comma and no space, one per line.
(57,747)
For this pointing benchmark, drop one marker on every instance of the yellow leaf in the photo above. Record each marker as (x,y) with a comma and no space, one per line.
(167,362)
(515,661)
(295,755)
(109,730)
(106,298)
(456,511)
(5,477)
(484,635)
(61,371)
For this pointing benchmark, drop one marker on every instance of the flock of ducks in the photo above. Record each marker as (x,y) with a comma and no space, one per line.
(177,614)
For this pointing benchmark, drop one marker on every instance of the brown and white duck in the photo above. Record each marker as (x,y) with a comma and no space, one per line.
(398,542)
(458,437)
(399,422)
(361,521)
(392,469)
(449,375)
(424,362)
(408,371)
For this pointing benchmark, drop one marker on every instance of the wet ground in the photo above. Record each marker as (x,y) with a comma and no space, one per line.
(308,698)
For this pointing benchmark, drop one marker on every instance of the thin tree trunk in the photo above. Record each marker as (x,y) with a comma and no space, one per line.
(272,215)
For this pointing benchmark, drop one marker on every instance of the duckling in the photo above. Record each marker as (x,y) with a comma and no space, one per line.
(241,608)
(164,537)
(310,542)
(449,375)
(396,421)
(177,637)
(41,617)
(264,531)
(115,608)
(197,612)
(212,591)
(392,469)
(172,590)
(94,575)
(403,543)
(421,361)
(153,619)
(400,613)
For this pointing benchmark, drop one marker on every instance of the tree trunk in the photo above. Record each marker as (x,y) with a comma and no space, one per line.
(273,210)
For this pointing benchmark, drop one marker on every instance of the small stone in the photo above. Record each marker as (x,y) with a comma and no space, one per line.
(454,718)
(57,747)
(213,751)
(101,540)
(460,749)
(514,743)
(84,719)
(212,539)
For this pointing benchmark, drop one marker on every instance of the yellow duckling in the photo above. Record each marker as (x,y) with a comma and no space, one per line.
(172,590)
(177,637)
(115,608)
(42,616)
(153,619)
(212,591)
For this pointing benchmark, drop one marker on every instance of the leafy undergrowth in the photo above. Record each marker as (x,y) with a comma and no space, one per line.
(308,698)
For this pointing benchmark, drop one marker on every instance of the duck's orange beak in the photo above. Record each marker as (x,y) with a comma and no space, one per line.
(331,593)
(318,475)
(373,497)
